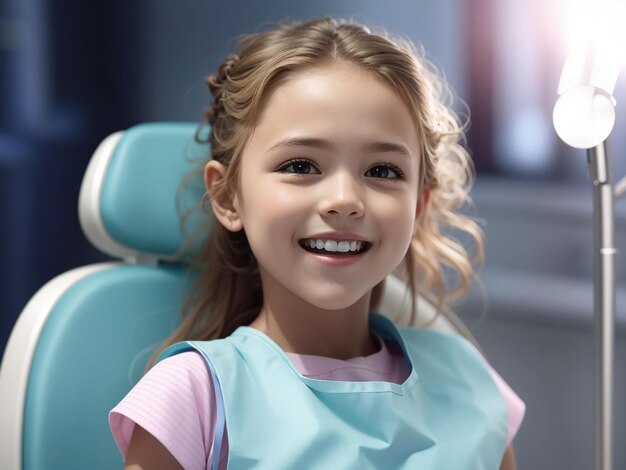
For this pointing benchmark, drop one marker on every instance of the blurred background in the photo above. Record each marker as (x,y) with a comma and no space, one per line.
(71,73)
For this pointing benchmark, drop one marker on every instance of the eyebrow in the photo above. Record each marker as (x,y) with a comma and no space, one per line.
(377,147)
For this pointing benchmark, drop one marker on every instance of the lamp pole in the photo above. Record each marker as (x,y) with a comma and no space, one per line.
(604,300)
(584,116)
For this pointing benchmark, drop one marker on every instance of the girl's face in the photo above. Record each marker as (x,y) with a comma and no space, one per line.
(329,186)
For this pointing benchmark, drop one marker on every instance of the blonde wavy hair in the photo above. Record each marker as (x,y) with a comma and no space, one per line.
(227,290)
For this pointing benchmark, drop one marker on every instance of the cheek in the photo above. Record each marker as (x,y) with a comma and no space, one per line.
(272,212)
(284,197)
(399,213)
(279,206)
(397,221)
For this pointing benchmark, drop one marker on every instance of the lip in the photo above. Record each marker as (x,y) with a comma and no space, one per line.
(337,261)
(337,236)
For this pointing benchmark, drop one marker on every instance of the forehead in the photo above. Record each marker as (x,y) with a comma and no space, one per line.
(337,102)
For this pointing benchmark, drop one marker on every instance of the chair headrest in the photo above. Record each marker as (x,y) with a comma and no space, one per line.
(132,195)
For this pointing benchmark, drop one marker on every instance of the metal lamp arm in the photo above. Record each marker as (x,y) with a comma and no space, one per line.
(620,187)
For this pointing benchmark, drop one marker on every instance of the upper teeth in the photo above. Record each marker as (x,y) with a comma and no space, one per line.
(333,245)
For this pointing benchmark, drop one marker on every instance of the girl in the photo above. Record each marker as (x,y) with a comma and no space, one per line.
(334,162)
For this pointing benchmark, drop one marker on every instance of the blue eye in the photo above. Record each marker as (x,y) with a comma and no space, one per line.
(385,171)
(299,166)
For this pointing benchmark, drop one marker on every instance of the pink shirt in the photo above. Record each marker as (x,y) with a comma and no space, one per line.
(175,400)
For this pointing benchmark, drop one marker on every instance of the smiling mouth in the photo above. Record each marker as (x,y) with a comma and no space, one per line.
(335,247)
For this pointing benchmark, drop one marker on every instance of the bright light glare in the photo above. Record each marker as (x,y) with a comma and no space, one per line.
(583,117)
(588,20)
(584,114)
(596,33)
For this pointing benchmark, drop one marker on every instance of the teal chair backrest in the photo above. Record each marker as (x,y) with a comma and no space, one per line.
(85,338)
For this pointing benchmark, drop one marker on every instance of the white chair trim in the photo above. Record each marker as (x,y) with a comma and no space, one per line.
(395,302)
(90,204)
(18,356)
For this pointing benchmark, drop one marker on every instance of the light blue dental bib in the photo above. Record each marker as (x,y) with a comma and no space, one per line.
(448,414)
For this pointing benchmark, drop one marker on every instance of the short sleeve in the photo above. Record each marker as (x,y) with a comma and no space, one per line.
(515,406)
(175,403)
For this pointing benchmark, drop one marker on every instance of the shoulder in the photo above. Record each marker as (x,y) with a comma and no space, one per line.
(444,342)
(516,408)
(447,358)
(187,362)
(174,401)
(185,373)
(172,381)
(427,337)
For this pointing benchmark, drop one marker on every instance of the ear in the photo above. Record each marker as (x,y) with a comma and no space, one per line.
(422,204)
(224,207)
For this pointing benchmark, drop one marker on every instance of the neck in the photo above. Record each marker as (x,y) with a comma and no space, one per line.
(300,327)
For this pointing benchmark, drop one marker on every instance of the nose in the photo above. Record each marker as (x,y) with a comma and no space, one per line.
(342,197)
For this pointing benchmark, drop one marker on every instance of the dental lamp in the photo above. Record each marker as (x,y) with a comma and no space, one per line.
(584,116)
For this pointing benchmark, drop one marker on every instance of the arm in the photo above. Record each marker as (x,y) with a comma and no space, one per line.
(145,452)
(168,414)
(508,461)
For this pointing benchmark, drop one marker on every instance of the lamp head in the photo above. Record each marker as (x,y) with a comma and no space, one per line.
(584,116)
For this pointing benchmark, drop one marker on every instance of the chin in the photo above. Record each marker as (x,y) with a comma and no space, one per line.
(335,301)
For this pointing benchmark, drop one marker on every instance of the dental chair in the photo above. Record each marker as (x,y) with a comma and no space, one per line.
(85,337)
